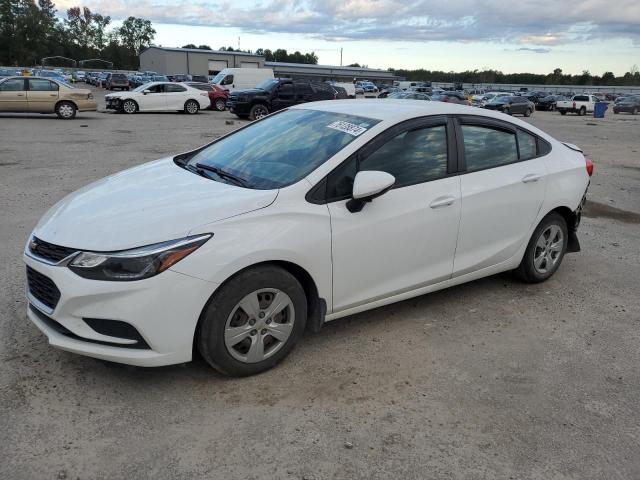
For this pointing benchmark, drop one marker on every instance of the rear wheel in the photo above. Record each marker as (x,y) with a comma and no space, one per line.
(563,112)
(582,112)
(220,104)
(191,107)
(129,106)
(634,111)
(66,110)
(253,321)
(527,112)
(545,250)
(258,111)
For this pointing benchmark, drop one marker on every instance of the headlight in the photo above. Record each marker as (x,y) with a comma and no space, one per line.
(137,263)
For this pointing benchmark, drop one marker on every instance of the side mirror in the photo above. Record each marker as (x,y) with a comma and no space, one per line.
(145,92)
(368,185)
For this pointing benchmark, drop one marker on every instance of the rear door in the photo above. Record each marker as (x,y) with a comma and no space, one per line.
(42,95)
(304,92)
(175,95)
(503,183)
(13,95)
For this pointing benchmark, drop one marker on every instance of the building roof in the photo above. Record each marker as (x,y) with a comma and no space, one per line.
(198,50)
(328,67)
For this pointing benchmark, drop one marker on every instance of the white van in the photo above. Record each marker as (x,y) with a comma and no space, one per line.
(241,78)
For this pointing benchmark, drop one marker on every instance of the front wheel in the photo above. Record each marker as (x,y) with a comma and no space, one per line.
(129,106)
(66,110)
(582,112)
(563,112)
(191,107)
(527,112)
(253,321)
(634,111)
(545,250)
(258,111)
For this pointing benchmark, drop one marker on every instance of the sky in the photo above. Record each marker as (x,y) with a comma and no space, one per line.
(520,36)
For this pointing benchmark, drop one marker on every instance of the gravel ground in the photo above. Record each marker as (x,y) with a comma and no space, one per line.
(490,380)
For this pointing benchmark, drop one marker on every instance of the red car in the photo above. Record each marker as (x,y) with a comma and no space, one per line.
(217,96)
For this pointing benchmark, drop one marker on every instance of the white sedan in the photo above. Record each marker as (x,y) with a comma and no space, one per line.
(313,213)
(159,97)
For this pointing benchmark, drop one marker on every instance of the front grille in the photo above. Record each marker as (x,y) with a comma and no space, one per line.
(42,288)
(49,251)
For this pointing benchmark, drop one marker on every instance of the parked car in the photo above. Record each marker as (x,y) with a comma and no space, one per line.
(180,77)
(313,214)
(117,80)
(273,95)
(450,97)
(233,79)
(217,96)
(6,73)
(482,100)
(200,78)
(348,87)
(44,95)
(340,92)
(159,97)
(512,105)
(579,104)
(49,74)
(549,102)
(101,80)
(408,95)
(630,104)
(388,91)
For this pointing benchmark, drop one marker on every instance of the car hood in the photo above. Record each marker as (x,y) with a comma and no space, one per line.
(119,94)
(251,91)
(151,203)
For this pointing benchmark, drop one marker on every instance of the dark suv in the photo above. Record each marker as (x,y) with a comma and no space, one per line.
(117,80)
(273,95)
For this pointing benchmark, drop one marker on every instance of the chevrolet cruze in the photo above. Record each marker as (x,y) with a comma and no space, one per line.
(308,215)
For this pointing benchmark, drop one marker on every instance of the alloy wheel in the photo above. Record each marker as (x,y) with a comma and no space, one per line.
(192,107)
(129,107)
(259,325)
(66,110)
(548,249)
(260,112)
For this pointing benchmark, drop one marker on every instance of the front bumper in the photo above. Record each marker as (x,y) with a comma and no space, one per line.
(113,103)
(238,108)
(163,309)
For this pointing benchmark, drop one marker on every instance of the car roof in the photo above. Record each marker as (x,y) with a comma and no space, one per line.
(398,110)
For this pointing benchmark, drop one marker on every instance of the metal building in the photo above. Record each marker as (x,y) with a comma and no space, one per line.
(170,61)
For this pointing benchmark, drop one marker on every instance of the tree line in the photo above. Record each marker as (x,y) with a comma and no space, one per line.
(31,31)
(557,77)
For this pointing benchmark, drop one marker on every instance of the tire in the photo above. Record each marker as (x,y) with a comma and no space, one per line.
(191,107)
(220,104)
(582,112)
(258,111)
(552,107)
(634,111)
(129,106)
(545,250)
(241,356)
(527,112)
(563,112)
(66,110)
(507,111)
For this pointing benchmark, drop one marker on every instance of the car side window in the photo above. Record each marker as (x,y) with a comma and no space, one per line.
(228,80)
(39,85)
(303,88)
(12,85)
(527,145)
(285,91)
(413,156)
(159,88)
(486,147)
(174,88)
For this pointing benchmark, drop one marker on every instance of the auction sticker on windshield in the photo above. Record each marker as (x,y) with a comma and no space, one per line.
(347,127)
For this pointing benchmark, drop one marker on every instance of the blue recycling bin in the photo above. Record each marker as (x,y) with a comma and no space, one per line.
(599,109)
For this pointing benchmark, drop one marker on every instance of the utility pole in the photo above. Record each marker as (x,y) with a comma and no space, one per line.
(340,56)
(238,42)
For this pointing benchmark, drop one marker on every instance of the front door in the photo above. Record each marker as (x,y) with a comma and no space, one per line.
(13,95)
(42,95)
(284,97)
(406,238)
(502,193)
(154,100)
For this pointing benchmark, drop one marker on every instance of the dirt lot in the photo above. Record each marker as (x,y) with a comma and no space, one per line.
(489,380)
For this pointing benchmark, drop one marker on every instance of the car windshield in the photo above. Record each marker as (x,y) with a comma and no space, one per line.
(501,99)
(281,149)
(64,84)
(268,85)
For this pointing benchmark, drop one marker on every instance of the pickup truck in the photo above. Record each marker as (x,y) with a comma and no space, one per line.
(580,104)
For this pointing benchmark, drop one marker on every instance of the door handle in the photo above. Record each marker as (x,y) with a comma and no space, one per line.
(532,177)
(442,202)
(19,94)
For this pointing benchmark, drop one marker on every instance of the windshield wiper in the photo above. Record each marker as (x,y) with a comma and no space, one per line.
(223,174)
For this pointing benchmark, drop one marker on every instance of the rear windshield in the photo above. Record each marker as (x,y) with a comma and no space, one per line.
(283,148)
(118,76)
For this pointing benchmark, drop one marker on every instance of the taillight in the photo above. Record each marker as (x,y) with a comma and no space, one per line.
(589,166)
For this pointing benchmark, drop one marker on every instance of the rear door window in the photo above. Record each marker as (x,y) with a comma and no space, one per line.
(40,85)
(12,85)
(527,145)
(488,147)
(173,87)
